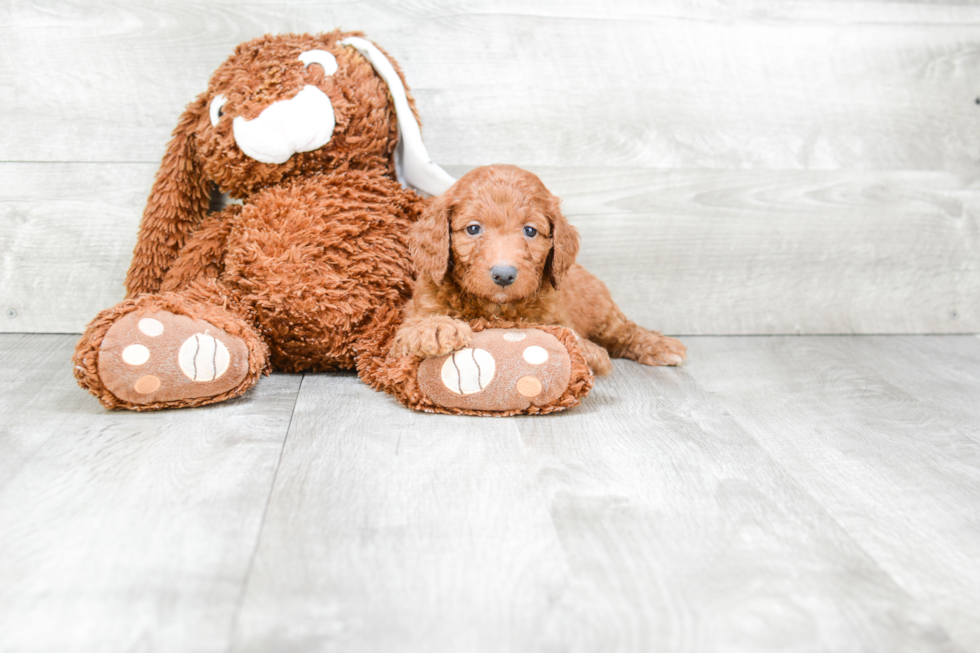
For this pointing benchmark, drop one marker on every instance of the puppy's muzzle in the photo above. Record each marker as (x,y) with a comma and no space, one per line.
(503,275)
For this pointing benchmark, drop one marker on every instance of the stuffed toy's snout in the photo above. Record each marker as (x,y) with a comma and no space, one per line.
(301,124)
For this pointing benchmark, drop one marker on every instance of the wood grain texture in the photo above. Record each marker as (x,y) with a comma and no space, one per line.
(942,373)
(125,531)
(67,233)
(684,252)
(752,84)
(864,427)
(778,494)
(766,252)
(681,533)
(645,520)
(393,530)
(756,168)
(28,363)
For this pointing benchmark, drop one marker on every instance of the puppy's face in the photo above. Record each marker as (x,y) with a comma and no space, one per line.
(500,244)
(498,232)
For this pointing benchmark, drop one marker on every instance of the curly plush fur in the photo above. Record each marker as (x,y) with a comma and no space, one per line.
(259,73)
(316,254)
(308,273)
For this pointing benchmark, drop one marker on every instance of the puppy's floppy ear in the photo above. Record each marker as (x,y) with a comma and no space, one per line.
(178,202)
(429,238)
(564,243)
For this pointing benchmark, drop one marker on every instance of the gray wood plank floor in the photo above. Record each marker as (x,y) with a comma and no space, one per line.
(778,493)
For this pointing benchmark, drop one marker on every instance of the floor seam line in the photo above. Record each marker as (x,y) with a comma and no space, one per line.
(258,538)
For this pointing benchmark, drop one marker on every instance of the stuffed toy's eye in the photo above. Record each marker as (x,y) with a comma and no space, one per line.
(530,232)
(474,229)
(215,110)
(326,60)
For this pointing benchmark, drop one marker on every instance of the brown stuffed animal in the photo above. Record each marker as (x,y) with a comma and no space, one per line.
(318,139)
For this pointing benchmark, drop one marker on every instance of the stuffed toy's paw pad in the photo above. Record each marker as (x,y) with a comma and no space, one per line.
(501,370)
(160,356)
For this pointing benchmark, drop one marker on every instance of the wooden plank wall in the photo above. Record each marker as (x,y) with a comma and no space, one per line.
(752,167)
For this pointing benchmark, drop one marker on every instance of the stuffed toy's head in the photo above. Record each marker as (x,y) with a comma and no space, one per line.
(279,108)
(283,106)
(287,106)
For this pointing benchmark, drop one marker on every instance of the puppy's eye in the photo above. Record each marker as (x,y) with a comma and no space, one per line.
(530,232)
(474,229)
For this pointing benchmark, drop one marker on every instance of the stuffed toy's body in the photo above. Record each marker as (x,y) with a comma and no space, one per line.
(317,139)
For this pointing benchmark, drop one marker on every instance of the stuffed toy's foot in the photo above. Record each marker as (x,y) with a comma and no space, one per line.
(506,369)
(160,356)
(501,370)
(509,369)
(146,359)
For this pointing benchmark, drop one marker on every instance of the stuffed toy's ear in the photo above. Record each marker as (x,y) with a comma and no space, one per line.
(178,202)
(413,165)
(428,240)
(565,243)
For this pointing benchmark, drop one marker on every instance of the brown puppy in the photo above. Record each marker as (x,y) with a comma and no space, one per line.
(495,245)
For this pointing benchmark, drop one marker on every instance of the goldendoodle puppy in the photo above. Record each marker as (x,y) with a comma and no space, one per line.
(496,245)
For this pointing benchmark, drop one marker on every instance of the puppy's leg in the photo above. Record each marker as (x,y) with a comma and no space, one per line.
(596,356)
(652,348)
(431,335)
(625,339)
(596,316)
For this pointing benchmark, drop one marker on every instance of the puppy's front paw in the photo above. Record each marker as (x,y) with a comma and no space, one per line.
(654,349)
(431,336)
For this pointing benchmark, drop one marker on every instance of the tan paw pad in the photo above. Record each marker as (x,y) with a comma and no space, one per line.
(147,384)
(501,370)
(160,356)
(529,386)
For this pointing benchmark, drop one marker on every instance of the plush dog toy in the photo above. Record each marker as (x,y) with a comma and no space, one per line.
(317,138)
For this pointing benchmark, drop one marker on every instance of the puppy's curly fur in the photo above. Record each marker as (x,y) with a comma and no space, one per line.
(494,222)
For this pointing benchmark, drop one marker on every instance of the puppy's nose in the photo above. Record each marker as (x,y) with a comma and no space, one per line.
(503,275)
